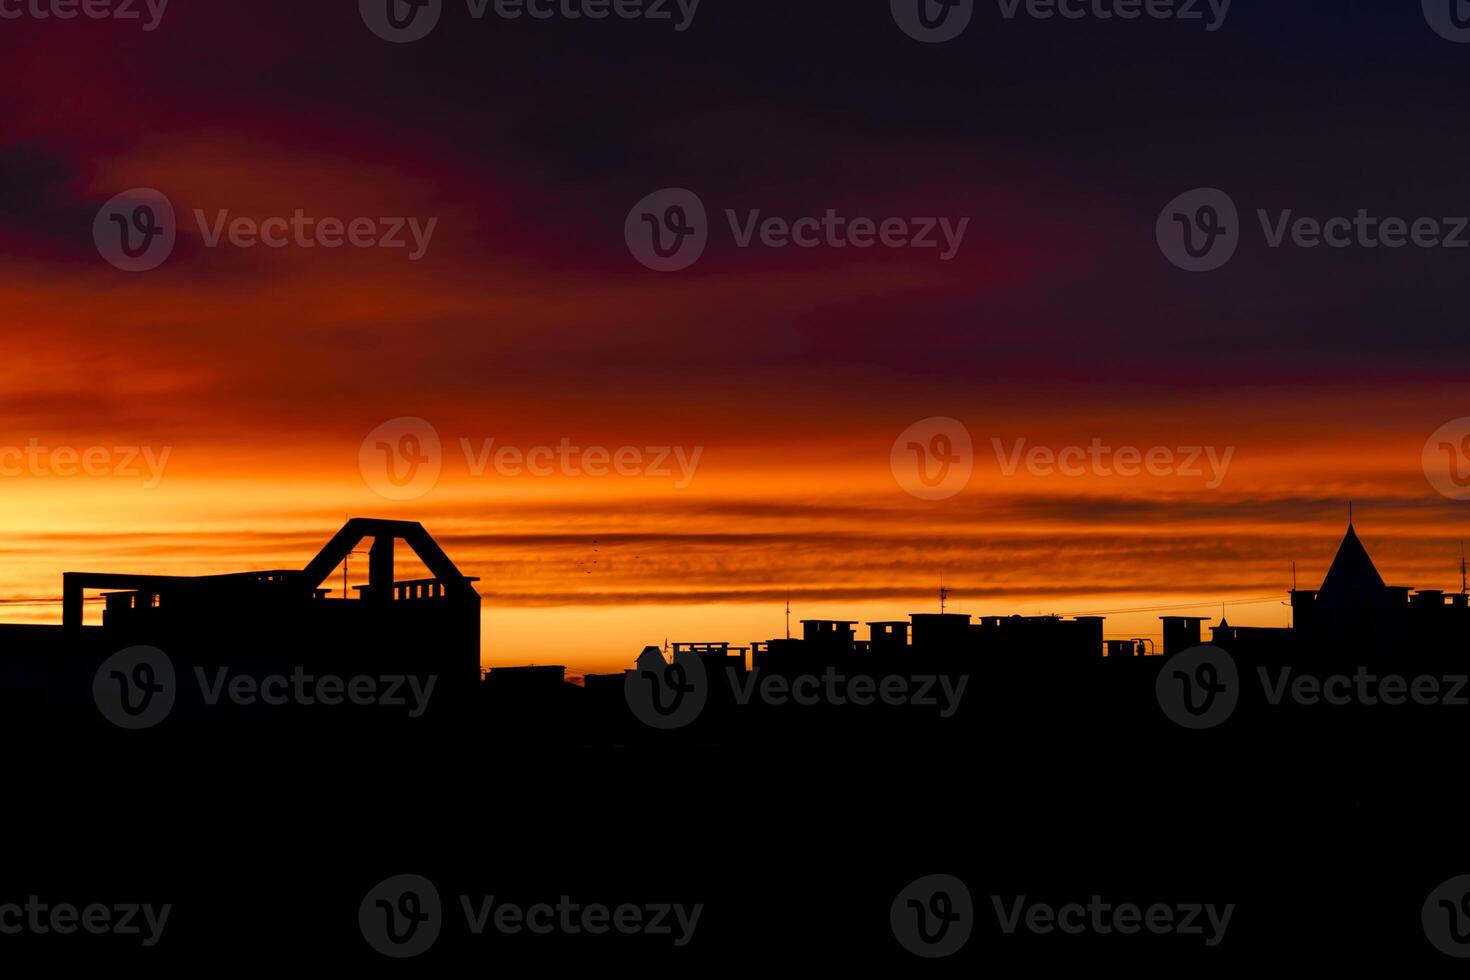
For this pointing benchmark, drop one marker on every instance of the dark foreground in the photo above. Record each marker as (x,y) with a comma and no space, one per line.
(1294,836)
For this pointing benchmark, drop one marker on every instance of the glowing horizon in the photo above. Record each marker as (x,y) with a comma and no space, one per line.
(785,376)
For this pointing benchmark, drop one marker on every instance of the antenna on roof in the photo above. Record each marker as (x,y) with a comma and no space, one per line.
(1291,610)
(788,614)
(1350,513)
(1462,567)
(344,570)
(943,594)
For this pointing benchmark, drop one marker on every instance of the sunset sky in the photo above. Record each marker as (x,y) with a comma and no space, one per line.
(790,372)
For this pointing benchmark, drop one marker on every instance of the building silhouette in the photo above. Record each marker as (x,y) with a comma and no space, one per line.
(279,620)
(1354,617)
(1355,613)
(261,623)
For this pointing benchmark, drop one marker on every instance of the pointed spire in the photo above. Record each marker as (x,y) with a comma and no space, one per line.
(1352,579)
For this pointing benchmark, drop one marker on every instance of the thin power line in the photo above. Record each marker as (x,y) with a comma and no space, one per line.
(1188,605)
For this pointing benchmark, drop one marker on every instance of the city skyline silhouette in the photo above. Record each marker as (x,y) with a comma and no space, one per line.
(268,622)
(552,486)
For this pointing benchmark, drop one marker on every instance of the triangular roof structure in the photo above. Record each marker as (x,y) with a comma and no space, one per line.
(1352,580)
